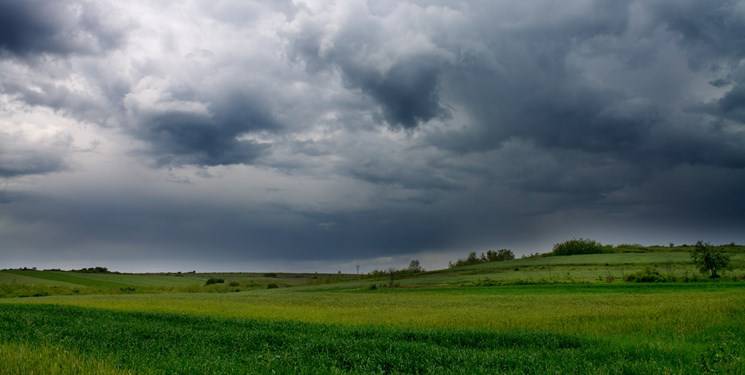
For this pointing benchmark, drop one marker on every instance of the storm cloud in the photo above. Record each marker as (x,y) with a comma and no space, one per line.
(55,27)
(333,133)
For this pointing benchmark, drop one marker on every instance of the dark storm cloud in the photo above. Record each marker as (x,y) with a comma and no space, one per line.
(177,138)
(525,123)
(731,105)
(28,163)
(407,92)
(211,138)
(60,27)
(186,138)
(18,157)
(147,225)
(709,29)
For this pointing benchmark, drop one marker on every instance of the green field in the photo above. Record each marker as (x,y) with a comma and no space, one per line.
(30,283)
(543,315)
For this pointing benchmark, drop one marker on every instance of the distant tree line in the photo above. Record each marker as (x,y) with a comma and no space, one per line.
(489,256)
(578,246)
(414,267)
(81,270)
(92,270)
(588,246)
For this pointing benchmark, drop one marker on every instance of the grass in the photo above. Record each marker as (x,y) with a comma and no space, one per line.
(169,343)
(624,309)
(30,283)
(436,322)
(590,268)
(43,359)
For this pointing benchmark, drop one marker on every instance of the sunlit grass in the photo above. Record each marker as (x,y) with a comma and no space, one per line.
(43,359)
(568,318)
(170,343)
(670,310)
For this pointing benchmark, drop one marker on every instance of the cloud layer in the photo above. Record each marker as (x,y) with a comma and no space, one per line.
(337,132)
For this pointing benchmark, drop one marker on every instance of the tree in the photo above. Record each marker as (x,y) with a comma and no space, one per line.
(392,274)
(414,266)
(709,259)
(578,246)
(499,255)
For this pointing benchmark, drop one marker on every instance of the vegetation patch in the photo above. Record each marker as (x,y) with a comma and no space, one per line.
(578,246)
(163,343)
(214,280)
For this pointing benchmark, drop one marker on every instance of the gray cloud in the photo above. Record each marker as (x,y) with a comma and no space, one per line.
(523,123)
(57,27)
(19,157)
(406,88)
(211,138)
(709,30)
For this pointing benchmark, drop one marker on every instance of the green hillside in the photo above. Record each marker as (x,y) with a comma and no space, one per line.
(614,266)
(541,314)
(29,283)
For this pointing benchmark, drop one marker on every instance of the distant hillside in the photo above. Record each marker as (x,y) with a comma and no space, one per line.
(623,264)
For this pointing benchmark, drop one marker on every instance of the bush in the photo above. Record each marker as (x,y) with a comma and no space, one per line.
(213,280)
(270,274)
(649,275)
(234,283)
(578,246)
(272,286)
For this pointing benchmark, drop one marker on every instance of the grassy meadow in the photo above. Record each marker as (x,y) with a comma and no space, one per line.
(33,283)
(559,314)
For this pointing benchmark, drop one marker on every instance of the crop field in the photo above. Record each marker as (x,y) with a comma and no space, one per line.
(31,283)
(435,322)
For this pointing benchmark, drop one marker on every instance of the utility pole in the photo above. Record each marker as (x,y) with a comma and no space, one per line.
(358,269)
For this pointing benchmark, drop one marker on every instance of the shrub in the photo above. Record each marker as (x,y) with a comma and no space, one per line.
(270,274)
(272,286)
(649,275)
(214,280)
(578,246)
(234,283)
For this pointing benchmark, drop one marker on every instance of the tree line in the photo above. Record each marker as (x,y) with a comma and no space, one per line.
(489,256)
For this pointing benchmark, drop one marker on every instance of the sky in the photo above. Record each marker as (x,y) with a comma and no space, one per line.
(321,135)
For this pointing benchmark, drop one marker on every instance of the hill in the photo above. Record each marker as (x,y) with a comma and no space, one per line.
(542,314)
(616,264)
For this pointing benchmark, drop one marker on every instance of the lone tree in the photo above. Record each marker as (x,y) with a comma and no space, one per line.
(415,267)
(709,259)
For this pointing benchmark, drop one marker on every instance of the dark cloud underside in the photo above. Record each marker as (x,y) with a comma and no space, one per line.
(60,27)
(321,131)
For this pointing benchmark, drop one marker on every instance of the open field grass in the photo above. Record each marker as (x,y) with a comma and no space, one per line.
(29,283)
(44,359)
(591,268)
(436,322)
(527,329)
